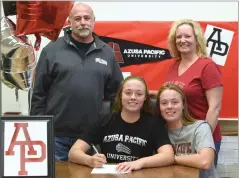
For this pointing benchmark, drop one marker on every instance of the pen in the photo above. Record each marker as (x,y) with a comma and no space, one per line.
(93,146)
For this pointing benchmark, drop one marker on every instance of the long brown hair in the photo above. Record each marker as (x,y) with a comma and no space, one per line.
(186,118)
(117,107)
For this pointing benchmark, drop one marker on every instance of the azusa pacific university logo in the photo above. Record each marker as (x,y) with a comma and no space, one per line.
(131,53)
(26,147)
(218,43)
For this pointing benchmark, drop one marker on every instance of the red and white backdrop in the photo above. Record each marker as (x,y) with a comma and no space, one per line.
(140,45)
(141,49)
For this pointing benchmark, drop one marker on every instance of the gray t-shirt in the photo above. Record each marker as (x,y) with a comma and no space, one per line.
(191,139)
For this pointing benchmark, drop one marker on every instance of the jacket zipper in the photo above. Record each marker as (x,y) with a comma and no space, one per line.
(83,60)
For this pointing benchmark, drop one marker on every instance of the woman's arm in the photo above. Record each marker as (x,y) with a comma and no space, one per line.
(164,157)
(203,144)
(78,155)
(202,160)
(211,79)
(214,99)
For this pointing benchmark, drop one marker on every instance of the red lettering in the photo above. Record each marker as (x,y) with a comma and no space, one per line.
(28,142)
(183,148)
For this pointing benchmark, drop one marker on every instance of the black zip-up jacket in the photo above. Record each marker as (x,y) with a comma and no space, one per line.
(71,88)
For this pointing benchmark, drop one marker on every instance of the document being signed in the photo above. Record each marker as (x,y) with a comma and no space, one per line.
(107,169)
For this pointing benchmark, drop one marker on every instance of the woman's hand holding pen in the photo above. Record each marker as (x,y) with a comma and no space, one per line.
(98,160)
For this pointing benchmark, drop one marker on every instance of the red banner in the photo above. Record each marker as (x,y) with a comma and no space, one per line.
(141,48)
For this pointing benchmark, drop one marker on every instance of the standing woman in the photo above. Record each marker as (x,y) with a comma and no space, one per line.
(196,74)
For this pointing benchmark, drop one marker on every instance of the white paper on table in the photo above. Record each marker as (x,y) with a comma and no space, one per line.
(107,169)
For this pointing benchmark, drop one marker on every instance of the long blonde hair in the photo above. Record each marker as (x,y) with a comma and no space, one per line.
(201,47)
(186,118)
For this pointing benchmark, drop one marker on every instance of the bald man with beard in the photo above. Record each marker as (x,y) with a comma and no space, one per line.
(73,76)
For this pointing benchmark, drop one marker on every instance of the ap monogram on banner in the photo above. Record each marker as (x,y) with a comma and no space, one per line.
(218,43)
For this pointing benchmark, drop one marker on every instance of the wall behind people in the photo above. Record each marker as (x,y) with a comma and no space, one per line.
(136,11)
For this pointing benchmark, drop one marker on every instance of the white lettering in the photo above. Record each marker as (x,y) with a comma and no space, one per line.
(121,157)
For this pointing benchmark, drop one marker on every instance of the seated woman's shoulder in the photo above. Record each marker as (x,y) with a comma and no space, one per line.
(147,115)
(153,119)
(198,122)
(106,118)
(201,123)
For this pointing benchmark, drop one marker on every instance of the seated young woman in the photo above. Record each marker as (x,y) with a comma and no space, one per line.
(129,135)
(192,139)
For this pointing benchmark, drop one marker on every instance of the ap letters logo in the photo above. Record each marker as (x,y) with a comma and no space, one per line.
(25,149)
(218,43)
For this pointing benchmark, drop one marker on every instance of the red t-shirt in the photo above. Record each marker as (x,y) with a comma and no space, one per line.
(202,75)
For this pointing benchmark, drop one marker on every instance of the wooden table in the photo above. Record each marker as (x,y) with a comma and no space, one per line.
(71,170)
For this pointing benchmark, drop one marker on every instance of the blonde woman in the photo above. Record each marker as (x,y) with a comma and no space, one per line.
(196,73)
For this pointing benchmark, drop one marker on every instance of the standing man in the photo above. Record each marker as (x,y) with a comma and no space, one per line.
(73,75)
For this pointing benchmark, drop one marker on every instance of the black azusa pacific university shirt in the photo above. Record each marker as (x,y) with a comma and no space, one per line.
(121,141)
